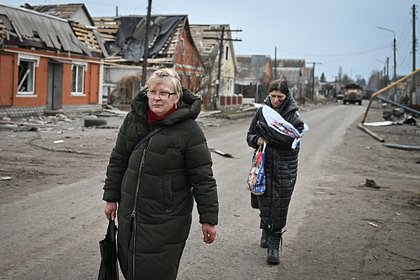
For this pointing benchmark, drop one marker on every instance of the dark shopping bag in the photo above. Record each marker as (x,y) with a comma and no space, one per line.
(256,176)
(254,201)
(108,247)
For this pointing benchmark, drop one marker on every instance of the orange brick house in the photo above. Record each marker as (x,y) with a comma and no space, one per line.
(47,64)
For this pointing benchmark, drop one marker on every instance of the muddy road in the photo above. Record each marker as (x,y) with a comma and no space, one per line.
(51,211)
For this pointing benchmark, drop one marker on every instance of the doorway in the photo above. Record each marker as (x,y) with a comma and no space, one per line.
(55,85)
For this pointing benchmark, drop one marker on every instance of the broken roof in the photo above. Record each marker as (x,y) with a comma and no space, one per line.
(27,28)
(206,46)
(204,36)
(67,11)
(107,27)
(164,31)
(291,74)
(285,62)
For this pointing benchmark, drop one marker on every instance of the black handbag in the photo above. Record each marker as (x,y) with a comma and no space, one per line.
(254,201)
(108,269)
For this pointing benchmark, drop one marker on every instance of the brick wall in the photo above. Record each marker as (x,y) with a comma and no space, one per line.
(40,110)
(9,82)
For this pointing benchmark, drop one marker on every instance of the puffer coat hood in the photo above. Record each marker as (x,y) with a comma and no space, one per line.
(155,185)
(288,105)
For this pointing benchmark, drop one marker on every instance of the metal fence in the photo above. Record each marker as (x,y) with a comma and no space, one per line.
(121,83)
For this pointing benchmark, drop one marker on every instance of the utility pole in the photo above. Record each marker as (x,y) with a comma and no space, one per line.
(275,63)
(413,91)
(146,44)
(221,41)
(313,78)
(385,72)
(395,58)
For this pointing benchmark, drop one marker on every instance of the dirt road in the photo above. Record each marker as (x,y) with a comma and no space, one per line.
(51,209)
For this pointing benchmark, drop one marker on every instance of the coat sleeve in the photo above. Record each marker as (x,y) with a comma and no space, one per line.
(199,167)
(117,165)
(252,135)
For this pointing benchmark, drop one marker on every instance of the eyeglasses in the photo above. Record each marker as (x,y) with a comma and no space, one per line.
(161,94)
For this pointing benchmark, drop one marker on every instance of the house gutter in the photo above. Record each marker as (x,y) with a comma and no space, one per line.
(55,57)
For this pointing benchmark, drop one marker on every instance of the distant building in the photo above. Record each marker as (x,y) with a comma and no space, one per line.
(298,76)
(254,76)
(207,38)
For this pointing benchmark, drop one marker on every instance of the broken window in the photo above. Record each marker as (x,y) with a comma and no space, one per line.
(78,78)
(26,76)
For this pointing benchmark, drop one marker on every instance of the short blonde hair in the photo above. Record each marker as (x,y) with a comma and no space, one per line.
(166,75)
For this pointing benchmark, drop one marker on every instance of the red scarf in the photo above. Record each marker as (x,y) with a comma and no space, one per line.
(152,117)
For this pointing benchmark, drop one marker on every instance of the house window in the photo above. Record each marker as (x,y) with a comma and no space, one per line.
(78,79)
(182,46)
(227,53)
(26,76)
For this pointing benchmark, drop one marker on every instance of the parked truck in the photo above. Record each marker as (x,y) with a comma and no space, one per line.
(352,93)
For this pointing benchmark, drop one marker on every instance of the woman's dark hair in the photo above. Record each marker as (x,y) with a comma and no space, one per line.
(279,85)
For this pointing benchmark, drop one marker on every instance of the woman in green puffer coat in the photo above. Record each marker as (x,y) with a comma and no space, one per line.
(154,184)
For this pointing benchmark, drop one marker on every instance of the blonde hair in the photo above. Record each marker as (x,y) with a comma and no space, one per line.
(166,75)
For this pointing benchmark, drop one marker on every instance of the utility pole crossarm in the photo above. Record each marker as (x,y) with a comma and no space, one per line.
(216,38)
(224,30)
(221,39)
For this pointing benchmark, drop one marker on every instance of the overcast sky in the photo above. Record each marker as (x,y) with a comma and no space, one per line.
(331,32)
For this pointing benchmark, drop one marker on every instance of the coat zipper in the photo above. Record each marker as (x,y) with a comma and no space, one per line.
(274,178)
(133,213)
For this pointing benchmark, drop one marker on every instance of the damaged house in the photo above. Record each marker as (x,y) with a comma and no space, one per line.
(169,45)
(254,76)
(47,63)
(208,40)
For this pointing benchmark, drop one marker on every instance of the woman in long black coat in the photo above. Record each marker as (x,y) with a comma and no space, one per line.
(281,164)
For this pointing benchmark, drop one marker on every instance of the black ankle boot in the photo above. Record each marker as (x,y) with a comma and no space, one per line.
(264,239)
(274,247)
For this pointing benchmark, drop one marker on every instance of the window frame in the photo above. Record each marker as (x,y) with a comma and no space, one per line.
(35,63)
(83,66)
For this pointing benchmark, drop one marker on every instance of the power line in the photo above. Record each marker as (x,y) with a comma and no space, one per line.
(334,55)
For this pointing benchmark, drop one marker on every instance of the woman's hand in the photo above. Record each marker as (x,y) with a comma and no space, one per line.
(110,210)
(209,233)
(260,141)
